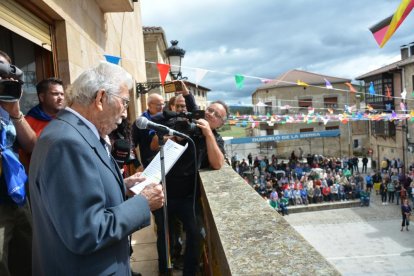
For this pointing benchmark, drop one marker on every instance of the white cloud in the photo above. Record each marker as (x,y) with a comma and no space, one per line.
(269,37)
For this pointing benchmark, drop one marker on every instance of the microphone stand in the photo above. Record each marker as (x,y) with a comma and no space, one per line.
(165,209)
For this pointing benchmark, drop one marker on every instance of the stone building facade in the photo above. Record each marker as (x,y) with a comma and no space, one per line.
(283,96)
(392,139)
(62,38)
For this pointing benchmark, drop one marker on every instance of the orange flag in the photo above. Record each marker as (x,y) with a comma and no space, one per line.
(351,88)
(163,69)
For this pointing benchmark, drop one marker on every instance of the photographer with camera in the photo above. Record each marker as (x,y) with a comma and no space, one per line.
(182,191)
(15,218)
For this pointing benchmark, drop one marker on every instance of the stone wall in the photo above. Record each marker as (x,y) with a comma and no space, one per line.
(245,236)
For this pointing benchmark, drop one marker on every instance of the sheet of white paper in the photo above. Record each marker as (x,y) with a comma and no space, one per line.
(152,173)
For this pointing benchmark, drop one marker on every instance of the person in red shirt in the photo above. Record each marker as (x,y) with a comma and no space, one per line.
(51,100)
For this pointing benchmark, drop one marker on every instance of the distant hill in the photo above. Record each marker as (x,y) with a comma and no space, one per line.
(245,110)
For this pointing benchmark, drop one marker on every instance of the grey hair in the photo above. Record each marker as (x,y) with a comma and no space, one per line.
(107,76)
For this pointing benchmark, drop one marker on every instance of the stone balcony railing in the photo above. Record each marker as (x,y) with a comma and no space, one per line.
(245,236)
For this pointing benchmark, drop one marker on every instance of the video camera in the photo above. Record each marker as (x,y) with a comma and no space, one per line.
(10,90)
(184,121)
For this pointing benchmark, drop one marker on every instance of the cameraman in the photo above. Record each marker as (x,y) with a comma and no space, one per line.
(15,220)
(183,193)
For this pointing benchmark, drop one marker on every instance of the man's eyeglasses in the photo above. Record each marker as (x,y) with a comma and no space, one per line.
(215,114)
(158,105)
(125,101)
(180,106)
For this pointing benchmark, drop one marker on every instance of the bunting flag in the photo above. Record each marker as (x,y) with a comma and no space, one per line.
(265,80)
(328,84)
(402,105)
(239,81)
(311,110)
(112,59)
(383,30)
(388,92)
(163,69)
(404,94)
(388,107)
(351,88)
(301,83)
(199,75)
(371,88)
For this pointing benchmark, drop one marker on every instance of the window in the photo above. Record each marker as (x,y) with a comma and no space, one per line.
(356,143)
(331,127)
(305,102)
(330,102)
(310,129)
(383,128)
(381,82)
(268,108)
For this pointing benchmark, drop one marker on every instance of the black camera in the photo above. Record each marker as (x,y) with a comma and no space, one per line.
(10,90)
(183,121)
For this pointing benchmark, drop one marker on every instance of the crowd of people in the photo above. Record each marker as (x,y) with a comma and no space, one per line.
(66,207)
(316,179)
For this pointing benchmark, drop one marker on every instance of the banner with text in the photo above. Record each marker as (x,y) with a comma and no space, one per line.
(285,137)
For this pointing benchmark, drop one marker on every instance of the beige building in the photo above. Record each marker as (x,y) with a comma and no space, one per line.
(155,44)
(200,94)
(283,96)
(62,38)
(392,139)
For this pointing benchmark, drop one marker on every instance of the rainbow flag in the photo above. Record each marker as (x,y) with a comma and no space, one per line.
(383,30)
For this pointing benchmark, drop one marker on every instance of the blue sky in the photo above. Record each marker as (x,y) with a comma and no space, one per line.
(265,38)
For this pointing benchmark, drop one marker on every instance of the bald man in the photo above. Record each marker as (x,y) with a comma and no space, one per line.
(142,137)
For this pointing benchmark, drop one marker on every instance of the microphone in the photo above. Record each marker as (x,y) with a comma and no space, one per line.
(120,151)
(144,123)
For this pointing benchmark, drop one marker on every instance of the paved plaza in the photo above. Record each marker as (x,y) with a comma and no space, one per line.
(361,240)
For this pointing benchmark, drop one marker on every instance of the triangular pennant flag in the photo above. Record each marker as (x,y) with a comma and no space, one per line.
(328,84)
(265,80)
(200,73)
(112,59)
(301,83)
(351,88)
(163,69)
(404,94)
(387,107)
(402,105)
(239,81)
(371,88)
(311,110)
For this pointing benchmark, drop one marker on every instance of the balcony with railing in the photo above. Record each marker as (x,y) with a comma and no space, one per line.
(244,235)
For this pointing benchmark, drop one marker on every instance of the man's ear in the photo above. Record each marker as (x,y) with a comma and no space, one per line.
(41,97)
(99,99)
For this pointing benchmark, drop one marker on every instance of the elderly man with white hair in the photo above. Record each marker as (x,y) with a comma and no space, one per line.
(81,218)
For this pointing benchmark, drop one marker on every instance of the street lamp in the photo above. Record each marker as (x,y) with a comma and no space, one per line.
(174,55)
